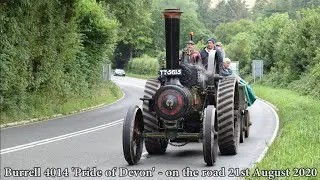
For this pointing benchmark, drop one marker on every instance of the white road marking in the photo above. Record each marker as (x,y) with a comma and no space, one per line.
(137,86)
(58,138)
(275,132)
(144,155)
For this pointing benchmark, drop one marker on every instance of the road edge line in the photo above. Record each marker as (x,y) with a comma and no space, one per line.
(126,84)
(275,132)
(56,116)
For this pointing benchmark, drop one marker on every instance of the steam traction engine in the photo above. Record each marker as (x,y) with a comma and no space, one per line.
(186,104)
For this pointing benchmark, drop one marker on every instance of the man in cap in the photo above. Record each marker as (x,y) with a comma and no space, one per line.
(219,46)
(218,56)
(193,55)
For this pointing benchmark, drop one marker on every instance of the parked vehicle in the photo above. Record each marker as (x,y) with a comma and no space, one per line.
(119,72)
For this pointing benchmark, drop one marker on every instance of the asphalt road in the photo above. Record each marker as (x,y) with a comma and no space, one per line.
(93,139)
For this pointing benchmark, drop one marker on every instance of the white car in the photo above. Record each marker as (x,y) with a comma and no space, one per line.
(119,72)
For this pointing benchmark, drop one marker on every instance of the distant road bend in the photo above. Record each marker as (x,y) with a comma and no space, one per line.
(65,147)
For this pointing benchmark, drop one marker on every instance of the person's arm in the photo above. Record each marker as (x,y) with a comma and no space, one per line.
(223,53)
(198,57)
(219,60)
(199,60)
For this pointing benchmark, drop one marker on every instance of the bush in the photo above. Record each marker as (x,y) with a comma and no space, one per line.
(308,83)
(144,65)
(289,48)
(51,51)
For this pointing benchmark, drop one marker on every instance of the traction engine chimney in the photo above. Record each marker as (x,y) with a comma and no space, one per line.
(172,30)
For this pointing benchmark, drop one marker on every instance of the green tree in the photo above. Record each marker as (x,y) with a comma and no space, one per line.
(229,11)
(258,8)
(240,49)
(288,43)
(289,6)
(298,46)
(135,28)
(99,34)
(189,23)
(237,10)
(205,13)
(226,31)
(268,32)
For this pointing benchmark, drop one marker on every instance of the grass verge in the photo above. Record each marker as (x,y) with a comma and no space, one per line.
(297,146)
(140,76)
(44,107)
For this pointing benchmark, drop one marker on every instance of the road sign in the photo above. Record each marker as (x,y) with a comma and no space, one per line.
(235,67)
(106,72)
(257,69)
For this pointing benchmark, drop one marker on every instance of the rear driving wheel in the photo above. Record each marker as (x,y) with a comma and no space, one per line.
(228,116)
(153,145)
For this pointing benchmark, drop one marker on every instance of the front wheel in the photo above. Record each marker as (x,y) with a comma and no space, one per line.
(132,139)
(210,142)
